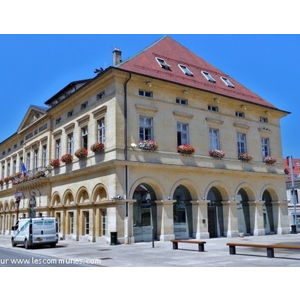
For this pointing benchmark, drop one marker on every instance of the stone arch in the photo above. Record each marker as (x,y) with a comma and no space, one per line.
(68,198)
(248,189)
(82,196)
(190,185)
(268,195)
(155,185)
(12,205)
(220,186)
(56,200)
(99,194)
(6,206)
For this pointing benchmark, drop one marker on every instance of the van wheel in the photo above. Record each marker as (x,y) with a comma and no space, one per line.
(13,243)
(26,245)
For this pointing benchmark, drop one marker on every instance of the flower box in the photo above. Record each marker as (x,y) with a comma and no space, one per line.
(81,153)
(217,153)
(148,145)
(55,163)
(185,149)
(245,157)
(97,147)
(1,182)
(269,160)
(67,158)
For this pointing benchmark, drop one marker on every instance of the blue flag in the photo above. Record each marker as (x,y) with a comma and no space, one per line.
(23,168)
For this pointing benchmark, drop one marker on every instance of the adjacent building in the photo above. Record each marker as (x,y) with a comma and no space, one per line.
(161,145)
(293,191)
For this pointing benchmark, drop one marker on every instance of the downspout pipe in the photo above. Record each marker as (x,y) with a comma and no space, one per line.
(126,135)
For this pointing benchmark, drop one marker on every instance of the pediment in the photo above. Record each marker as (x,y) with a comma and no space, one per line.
(34,113)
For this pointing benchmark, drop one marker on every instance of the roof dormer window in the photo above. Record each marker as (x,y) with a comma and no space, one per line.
(186,70)
(227,82)
(163,63)
(208,76)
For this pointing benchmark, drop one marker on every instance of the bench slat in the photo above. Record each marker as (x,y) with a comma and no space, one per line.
(270,248)
(200,244)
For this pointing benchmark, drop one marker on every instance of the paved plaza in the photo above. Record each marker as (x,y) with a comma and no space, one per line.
(216,253)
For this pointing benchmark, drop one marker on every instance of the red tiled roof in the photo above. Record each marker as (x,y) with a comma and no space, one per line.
(296,166)
(174,53)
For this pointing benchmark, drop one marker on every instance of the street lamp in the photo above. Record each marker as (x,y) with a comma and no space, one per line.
(290,163)
(32,205)
(18,195)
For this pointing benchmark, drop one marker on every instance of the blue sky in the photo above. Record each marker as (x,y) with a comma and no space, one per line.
(35,67)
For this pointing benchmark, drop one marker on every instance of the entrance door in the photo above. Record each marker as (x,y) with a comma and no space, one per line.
(182,213)
(212,221)
(144,214)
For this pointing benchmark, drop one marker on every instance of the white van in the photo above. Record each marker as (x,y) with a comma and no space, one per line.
(34,232)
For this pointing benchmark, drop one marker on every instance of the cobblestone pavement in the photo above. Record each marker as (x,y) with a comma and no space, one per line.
(216,253)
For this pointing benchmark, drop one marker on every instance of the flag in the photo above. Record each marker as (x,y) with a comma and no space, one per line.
(23,168)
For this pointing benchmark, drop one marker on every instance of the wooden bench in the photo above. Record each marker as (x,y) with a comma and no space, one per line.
(270,248)
(200,244)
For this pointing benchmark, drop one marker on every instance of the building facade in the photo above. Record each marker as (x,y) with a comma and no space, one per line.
(293,191)
(161,145)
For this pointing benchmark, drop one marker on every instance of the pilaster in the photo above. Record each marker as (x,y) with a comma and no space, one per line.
(165,222)
(256,217)
(200,219)
(281,219)
(230,218)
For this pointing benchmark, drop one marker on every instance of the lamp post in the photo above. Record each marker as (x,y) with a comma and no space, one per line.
(32,205)
(18,196)
(294,226)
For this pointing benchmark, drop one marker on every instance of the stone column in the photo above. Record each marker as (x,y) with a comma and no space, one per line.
(200,219)
(165,222)
(230,218)
(75,236)
(257,217)
(281,219)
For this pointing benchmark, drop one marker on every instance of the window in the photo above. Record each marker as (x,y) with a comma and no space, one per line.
(101,95)
(3,172)
(214,139)
(163,64)
(84,135)
(44,155)
(57,148)
(57,121)
(186,70)
(181,101)
(227,82)
(146,128)
(101,130)
(145,93)
(241,143)
(208,76)
(265,145)
(263,120)
(28,161)
(182,134)
(103,228)
(213,108)
(71,143)
(20,166)
(14,166)
(240,114)
(84,105)
(8,169)
(71,222)
(36,159)
(70,113)
(86,222)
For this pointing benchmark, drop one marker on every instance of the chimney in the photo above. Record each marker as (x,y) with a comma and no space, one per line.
(117,56)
